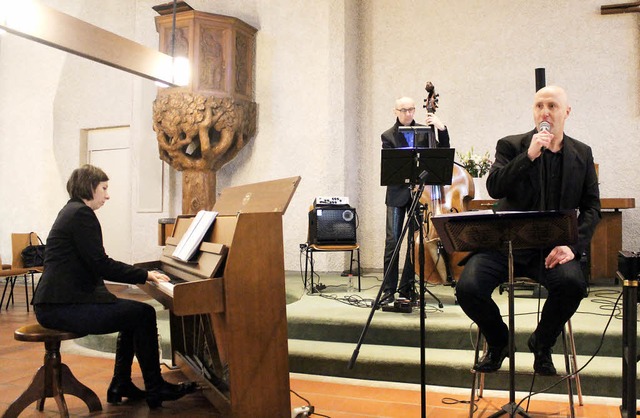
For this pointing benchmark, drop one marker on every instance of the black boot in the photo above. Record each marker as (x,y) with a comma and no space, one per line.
(121,385)
(166,391)
(128,390)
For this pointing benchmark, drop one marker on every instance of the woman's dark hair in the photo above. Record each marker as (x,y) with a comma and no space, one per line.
(84,180)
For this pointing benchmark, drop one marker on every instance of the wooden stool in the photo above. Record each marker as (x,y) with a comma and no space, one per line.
(53,379)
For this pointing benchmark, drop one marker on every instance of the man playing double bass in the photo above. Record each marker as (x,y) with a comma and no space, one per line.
(543,169)
(398,198)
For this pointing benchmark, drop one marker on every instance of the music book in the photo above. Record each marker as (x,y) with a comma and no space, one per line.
(192,238)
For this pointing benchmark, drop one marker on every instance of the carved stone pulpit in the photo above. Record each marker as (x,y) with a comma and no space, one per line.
(202,126)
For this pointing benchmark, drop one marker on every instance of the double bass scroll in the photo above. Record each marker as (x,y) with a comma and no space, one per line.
(437,200)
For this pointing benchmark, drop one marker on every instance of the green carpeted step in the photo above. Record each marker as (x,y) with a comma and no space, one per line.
(444,367)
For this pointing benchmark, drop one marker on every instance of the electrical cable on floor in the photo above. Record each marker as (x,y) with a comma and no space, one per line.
(309,406)
(453,401)
(606,298)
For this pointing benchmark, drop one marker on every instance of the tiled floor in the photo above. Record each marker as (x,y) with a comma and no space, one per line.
(336,398)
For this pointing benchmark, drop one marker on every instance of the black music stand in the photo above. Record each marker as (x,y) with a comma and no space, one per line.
(486,230)
(403,166)
(417,167)
(628,274)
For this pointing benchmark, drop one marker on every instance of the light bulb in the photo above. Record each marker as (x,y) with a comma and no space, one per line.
(181,71)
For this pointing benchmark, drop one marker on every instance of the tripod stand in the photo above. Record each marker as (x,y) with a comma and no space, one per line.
(413,224)
(416,166)
(487,230)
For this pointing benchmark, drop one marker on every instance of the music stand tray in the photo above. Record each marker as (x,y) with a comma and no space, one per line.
(488,230)
(403,166)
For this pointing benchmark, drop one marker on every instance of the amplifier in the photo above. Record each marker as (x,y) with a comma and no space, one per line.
(629,265)
(332,226)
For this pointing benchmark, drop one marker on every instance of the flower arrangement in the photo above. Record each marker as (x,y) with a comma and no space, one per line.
(477,165)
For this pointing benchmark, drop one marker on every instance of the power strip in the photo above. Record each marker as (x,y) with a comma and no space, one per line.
(302,412)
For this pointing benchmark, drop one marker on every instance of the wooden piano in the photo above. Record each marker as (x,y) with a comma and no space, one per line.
(228,318)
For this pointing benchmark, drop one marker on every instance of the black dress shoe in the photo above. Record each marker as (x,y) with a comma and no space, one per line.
(407,295)
(169,392)
(542,363)
(387,298)
(118,390)
(492,359)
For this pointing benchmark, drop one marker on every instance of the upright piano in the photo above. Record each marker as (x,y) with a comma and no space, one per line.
(228,307)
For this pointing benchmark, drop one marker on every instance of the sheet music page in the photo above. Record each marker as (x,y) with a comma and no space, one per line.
(190,241)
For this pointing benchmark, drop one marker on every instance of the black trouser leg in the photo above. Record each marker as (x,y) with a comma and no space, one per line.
(481,275)
(136,320)
(395,219)
(566,285)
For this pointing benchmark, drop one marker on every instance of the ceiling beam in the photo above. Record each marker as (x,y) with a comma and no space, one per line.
(611,9)
(37,22)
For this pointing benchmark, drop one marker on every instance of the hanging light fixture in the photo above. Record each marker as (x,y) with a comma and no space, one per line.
(180,71)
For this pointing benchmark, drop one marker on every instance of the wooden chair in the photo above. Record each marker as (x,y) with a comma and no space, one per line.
(4,266)
(312,248)
(569,352)
(54,378)
(10,275)
(20,241)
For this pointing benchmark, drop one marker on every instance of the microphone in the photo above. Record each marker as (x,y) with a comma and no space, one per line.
(544,127)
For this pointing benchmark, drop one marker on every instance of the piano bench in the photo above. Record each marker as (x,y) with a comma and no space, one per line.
(54,378)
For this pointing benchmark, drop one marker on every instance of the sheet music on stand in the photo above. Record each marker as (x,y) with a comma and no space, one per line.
(192,238)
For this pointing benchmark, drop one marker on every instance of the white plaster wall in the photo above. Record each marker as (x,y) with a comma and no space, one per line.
(301,95)
(327,73)
(481,57)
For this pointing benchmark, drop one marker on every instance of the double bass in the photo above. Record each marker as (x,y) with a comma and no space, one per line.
(440,267)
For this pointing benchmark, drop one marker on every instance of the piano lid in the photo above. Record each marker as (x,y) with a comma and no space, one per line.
(267,196)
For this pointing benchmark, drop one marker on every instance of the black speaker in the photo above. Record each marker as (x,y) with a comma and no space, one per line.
(332,225)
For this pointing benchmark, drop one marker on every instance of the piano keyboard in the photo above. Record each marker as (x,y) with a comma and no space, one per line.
(167,287)
(173,279)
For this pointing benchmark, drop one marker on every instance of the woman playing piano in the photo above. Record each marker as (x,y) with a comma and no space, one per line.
(71,294)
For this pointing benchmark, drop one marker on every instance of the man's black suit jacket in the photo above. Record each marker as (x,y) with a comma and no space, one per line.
(515,180)
(399,195)
(75,262)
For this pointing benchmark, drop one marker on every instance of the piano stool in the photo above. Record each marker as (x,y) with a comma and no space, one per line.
(54,378)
